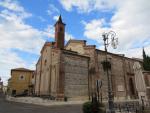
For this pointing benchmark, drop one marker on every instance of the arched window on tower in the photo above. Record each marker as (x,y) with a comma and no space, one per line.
(60,29)
(45,62)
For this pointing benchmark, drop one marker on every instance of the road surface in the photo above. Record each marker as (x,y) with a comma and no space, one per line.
(14,107)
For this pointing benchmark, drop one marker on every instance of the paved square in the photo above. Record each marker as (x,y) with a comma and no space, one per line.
(13,107)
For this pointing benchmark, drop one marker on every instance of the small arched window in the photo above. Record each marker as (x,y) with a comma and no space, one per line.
(45,62)
(32,76)
(60,29)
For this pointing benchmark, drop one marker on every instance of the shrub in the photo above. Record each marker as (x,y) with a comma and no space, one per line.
(101,105)
(87,107)
(95,107)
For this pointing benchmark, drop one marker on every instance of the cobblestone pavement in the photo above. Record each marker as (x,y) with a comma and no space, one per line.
(13,107)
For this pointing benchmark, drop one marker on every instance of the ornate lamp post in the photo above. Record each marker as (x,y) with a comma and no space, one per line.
(109,38)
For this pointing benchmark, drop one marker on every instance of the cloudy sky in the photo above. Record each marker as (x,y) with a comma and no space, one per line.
(26,24)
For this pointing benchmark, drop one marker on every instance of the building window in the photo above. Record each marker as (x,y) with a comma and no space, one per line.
(21,77)
(32,76)
(45,62)
(61,29)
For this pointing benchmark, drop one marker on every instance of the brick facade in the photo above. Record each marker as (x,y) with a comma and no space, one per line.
(56,69)
(122,73)
(72,71)
(76,76)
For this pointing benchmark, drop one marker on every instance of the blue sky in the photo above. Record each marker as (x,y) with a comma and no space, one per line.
(26,24)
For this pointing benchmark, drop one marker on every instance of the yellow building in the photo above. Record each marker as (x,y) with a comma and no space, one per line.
(21,81)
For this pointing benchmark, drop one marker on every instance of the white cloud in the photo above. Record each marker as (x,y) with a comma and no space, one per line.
(56,17)
(14,6)
(135,52)
(131,24)
(8,61)
(94,29)
(68,4)
(50,32)
(86,6)
(41,19)
(68,36)
(18,35)
(52,9)
(15,34)
(130,20)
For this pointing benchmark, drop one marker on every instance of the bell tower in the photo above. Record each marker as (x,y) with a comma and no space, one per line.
(59,33)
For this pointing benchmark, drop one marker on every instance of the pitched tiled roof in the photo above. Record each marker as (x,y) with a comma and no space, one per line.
(21,69)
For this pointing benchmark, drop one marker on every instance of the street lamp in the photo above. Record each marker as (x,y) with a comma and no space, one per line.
(109,38)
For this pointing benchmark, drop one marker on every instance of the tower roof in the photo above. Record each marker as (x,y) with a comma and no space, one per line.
(59,21)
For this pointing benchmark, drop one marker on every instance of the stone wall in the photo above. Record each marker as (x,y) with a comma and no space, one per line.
(76,76)
(80,47)
(75,45)
(93,68)
(55,72)
(130,76)
(73,72)
(147,82)
(118,76)
(121,73)
(45,71)
(122,70)
(37,76)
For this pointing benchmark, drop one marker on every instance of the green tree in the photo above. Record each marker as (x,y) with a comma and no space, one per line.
(146,61)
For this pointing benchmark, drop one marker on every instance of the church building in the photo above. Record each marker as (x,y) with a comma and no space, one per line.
(71,71)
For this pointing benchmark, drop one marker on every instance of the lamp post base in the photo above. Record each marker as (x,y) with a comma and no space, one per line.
(111,105)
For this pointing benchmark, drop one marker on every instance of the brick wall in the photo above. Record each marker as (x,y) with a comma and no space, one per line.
(76,76)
